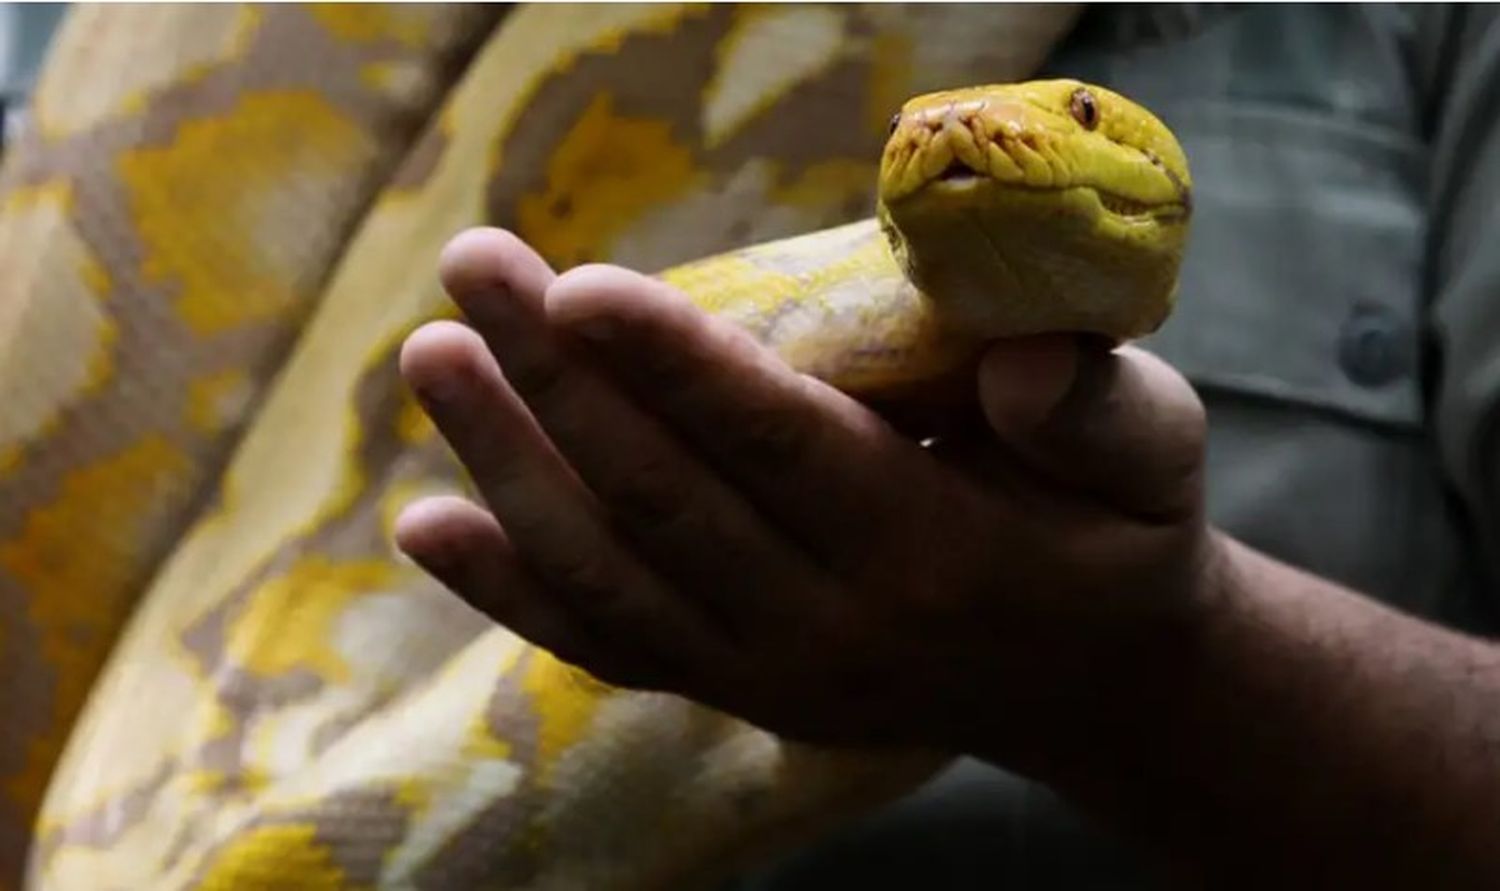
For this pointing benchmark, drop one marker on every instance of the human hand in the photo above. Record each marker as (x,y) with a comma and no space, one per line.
(671,507)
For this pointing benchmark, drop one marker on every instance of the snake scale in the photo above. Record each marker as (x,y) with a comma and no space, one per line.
(216,670)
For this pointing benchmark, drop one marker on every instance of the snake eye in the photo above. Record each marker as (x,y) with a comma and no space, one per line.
(895,121)
(1085,108)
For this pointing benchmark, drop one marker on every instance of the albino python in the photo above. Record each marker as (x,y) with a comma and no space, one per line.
(216,671)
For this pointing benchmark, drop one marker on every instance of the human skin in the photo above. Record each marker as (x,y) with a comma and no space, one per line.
(670,507)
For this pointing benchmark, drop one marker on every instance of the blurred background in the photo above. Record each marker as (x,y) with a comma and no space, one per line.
(24,31)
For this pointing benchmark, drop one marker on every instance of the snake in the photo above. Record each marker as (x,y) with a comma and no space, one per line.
(218,226)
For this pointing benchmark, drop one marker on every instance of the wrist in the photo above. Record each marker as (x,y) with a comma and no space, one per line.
(1135,677)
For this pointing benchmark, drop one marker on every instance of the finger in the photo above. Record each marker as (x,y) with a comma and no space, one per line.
(691,528)
(463,547)
(1123,426)
(553,523)
(811,458)
(480,261)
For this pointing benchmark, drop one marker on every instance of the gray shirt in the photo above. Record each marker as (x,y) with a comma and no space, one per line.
(1340,315)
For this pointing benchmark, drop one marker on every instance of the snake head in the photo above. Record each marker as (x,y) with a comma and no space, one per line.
(1040,206)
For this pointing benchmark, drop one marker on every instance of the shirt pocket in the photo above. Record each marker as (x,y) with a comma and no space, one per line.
(1302,277)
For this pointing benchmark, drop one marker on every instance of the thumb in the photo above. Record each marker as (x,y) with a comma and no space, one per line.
(1122,426)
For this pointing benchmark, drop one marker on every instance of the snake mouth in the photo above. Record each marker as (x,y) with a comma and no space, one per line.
(959,173)
(960,177)
(1125,207)
(1130,208)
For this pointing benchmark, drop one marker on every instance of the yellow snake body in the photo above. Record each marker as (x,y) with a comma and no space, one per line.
(212,256)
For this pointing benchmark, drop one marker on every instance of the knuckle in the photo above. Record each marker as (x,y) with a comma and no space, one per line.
(654,496)
(521,506)
(608,597)
(775,436)
(582,577)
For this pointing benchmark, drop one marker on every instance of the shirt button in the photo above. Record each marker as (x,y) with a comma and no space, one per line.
(1373,347)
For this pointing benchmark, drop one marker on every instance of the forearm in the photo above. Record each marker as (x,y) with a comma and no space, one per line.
(1307,732)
